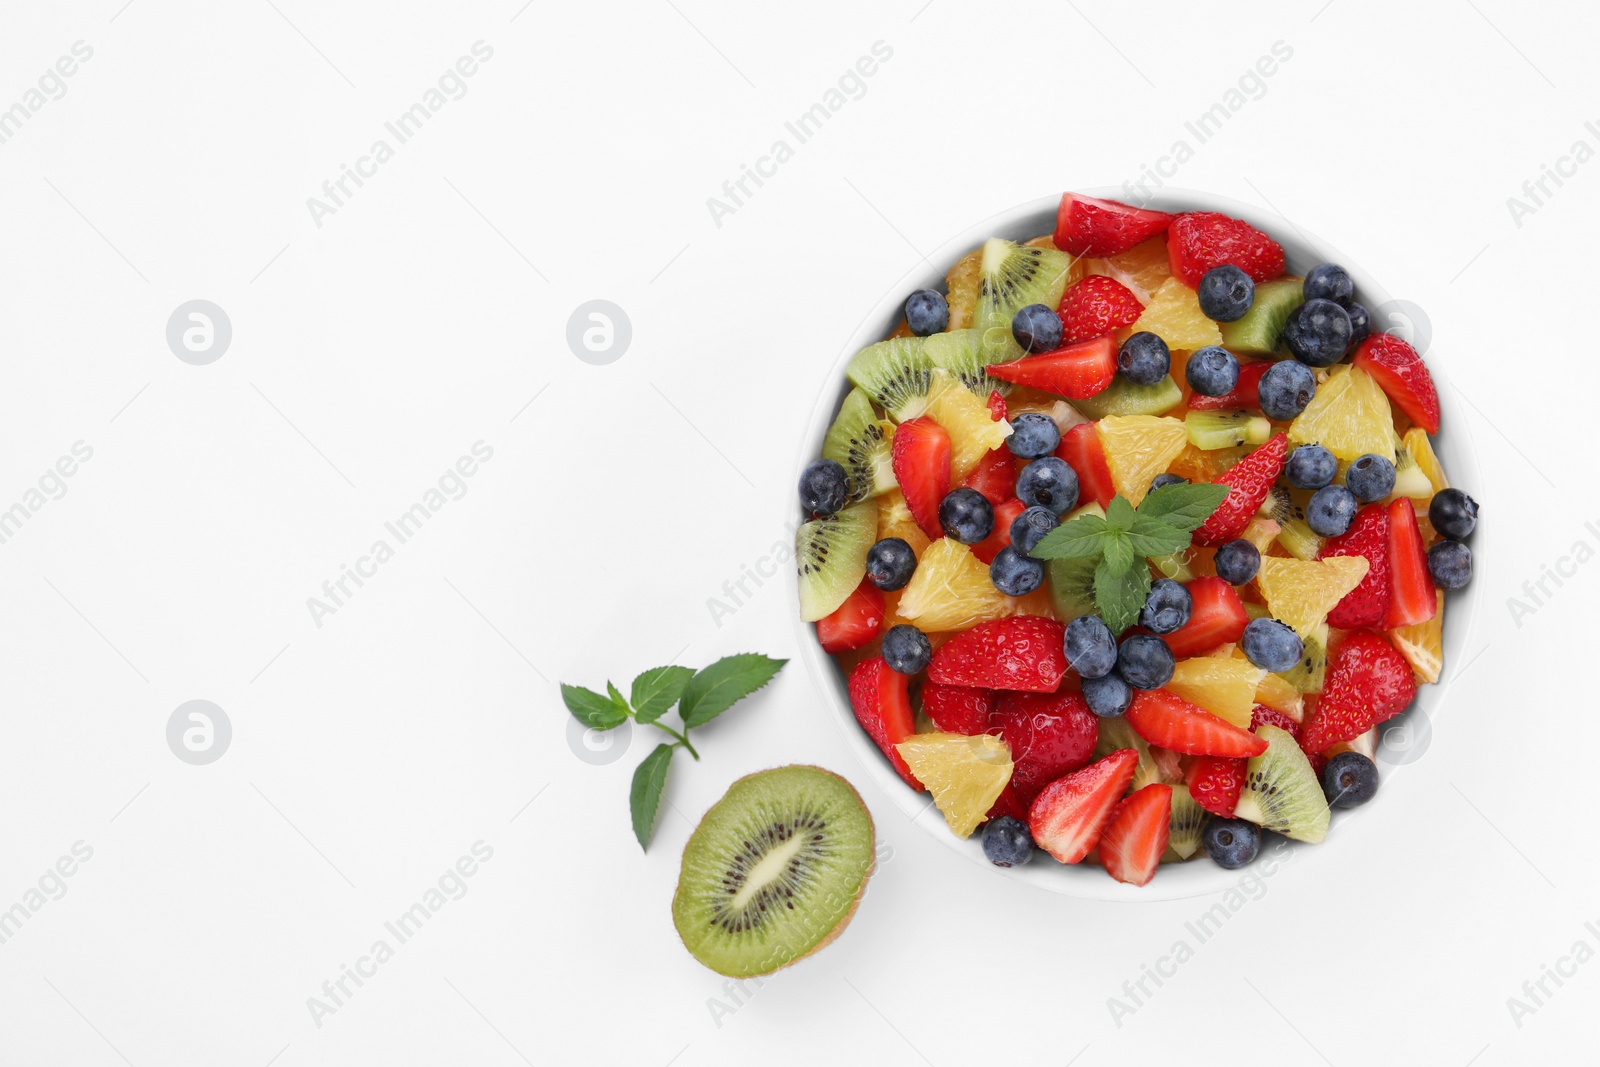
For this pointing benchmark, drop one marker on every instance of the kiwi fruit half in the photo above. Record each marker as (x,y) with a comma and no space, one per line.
(1409,477)
(895,374)
(859,442)
(1262,326)
(1294,533)
(1188,819)
(960,352)
(774,871)
(1012,276)
(1117,734)
(1213,430)
(831,555)
(1307,675)
(1281,791)
(1122,397)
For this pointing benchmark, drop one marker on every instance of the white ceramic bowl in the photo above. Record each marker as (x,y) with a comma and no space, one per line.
(1405,736)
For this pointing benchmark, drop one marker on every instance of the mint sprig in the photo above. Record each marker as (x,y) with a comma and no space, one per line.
(1123,540)
(700,696)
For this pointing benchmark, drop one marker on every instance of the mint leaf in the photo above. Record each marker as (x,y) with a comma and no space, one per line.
(718,687)
(1120,596)
(1183,506)
(1119,513)
(1153,537)
(1119,554)
(593,710)
(656,690)
(644,796)
(1079,538)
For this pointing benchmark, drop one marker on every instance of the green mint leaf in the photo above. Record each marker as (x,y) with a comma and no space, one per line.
(1119,555)
(1153,537)
(656,690)
(1183,506)
(1079,538)
(593,710)
(1120,596)
(718,687)
(1119,513)
(644,796)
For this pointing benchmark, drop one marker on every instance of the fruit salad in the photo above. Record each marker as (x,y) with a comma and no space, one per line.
(1130,542)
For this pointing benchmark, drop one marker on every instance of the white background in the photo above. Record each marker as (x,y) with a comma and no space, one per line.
(371,352)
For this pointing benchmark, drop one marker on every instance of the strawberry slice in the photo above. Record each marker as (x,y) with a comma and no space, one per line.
(1068,814)
(1412,597)
(920,456)
(956,709)
(1076,371)
(1215,782)
(995,476)
(1166,719)
(853,623)
(1216,618)
(1005,513)
(1049,734)
(1248,481)
(1200,240)
(1097,306)
(882,703)
(1089,227)
(1368,682)
(1081,448)
(1368,537)
(1246,394)
(997,406)
(1133,841)
(1021,652)
(1397,367)
(1273,717)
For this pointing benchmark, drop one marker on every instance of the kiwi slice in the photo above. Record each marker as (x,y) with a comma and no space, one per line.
(1281,791)
(831,555)
(1012,276)
(1262,326)
(1255,611)
(1115,734)
(1188,819)
(1294,533)
(960,353)
(1122,397)
(1307,675)
(1071,587)
(774,871)
(895,374)
(1212,430)
(858,442)
(1409,478)
(1174,565)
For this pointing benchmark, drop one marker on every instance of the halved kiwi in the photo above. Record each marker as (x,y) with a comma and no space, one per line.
(1071,587)
(1124,398)
(1281,791)
(1294,533)
(895,374)
(960,352)
(1307,675)
(1212,430)
(1188,819)
(1409,477)
(857,441)
(831,555)
(1262,326)
(1115,734)
(1012,276)
(774,871)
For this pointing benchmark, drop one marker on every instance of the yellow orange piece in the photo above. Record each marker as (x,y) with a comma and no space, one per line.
(1174,315)
(1261,532)
(1139,447)
(1349,416)
(1224,687)
(1144,268)
(951,590)
(973,431)
(1422,644)
(964,774)
(894,520)
(961,285)
(1277,692)
(1301,592)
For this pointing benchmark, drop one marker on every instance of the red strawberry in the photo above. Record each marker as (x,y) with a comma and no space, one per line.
(1020,652)
(1412,598)
(1005,513)
(1166,719)
(1097,306)
(1089,227)
(1248,481)
(1215,783)
(1273,717)
(882,705)
(955,709)
(1246,394)
(1368,682)
(1049,734)
(853,623)
(1201,240)
(1133,841)
(997,406)
(1397,367)
(1368,536)
(1216,618)
(920,456)
(1068,814)
(1076,371)
(995,476)
(1080,447)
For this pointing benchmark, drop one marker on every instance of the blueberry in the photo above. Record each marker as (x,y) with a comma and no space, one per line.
(1007,842)
(823,488)
(1286,389)
(1226,293)
(1311,467)
(1349,780)
(906,649)
(1212,371)
(1090,648)
(927,312)
(1166,608)
(1330,510)
(1048,482)
(1161,481)
(1145,661)
(1237,561)
(1360,322)
(1450,563)
(1318,332)
(1033,434)
(965,515)
(890,563)
(1271,645)
(1233,843)
(1037,328)
(1329,282)
(1029,528)
(1453,514)
(1144,359)
(1370,477)
(1015,574)
(1107,697)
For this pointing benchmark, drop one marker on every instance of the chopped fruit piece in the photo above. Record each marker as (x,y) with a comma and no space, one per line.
(1246,394)
(920,453)
(1278,694)
(1012,277)
(1078,371)
(895,520)
(1368,683)
(1049,734)
(1411,588)
(995,475)
(1199,465)
(859,441)
(1224,687)
(1200,240)
(1422,644)
(1213,430)
(1349,417)
(1248,481)
(1282,792)
(1367,538)
(1261,532)
(1097,306)
(882,705)
(855,622)
(1081,448)
(831,556)
(1307,674)
(967,419)
(1122,397)
(1165,719)
(1417,442)
(1261,329)
(894,374)
(957,709)
(1089,227)
(961,285)
(1302,592)
(1217,617)
(997,406)
(1215,783)
(1174,315)
(1188,821)
(951,590)
(1396,367)
(1137,448)
(1066,818)
(1142,268)
(1005,513)
(1136,835)
(1273,717)
(964,774)
(1022,653)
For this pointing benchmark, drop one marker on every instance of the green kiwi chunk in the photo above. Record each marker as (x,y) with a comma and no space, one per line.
(831,555)
(1071,581)
(895,374)
(1262,326)
(1122,397)
(774,871)
(1307,675)
(1213,430)
(1409,478)
(960,353)
(858,443)
(1012,276)
(1294,533)
(1281,791)
(1116,734)
(1188,819)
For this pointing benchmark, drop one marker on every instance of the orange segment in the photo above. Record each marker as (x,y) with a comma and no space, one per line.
(1301,592)
(1276,692)
(1139,447)
(1349,416)
(1422,644)
(951,590)
(973,431)
(1223,686)
(894,520)
(1416,442)
(965,774)
(1144,268)
(1174,315)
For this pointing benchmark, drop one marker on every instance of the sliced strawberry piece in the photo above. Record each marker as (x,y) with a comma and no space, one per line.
(1005,513)
(1089,227)
(1273,717)
(956,709)
(1133,841)
(1216,618)
(1068,814)
(1021,652)
(997,406)
(1368,537)
(1166,719)
(1368,682)
(1248,481)
(1201,240)
(1097,306)
(1081,448)
(853,623)
(995,476)
(1395,366)
(1245,394)
(1215,782)
(1076,371)
(1412,597)
(1049,734)
(882,703)
(920,456)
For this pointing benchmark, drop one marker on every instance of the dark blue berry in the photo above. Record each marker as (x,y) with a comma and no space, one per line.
(890,563)
(1107,697)
(1090,648)
(823,488)
(1271,645)
(906,649)
(1349,780)
(1037,328)
(1144,359)
(1360,322)
(1049,482)
(1453,514)
(1450,563)
(1370,477)
(1329,281)
(1318,333)
(1015,574)
(927,312)
(1167,607)
(1237,561)
(1212,371)
(1286,389)
(1226,293)
(1161,481)
(1029,528)
(1311,467)
(1007,842)
(1145,661)
(1232,843)
(965,515)
(1033,434)
(1330,510)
